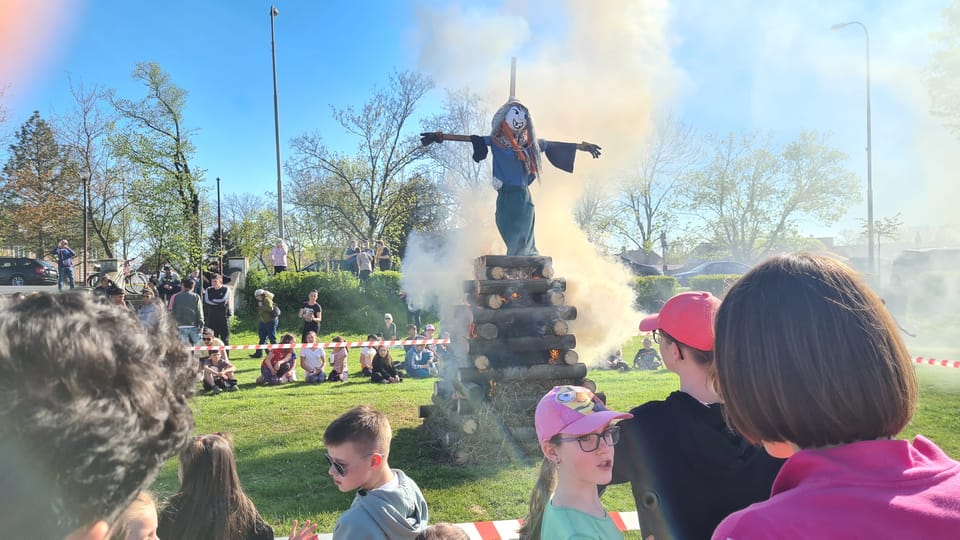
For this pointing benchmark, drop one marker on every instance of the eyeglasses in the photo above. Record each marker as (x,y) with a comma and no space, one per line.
(339,467)
(656,336)
(591,441)
(207,338)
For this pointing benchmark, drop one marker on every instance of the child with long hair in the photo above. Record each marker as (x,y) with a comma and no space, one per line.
(577,435)
(211,504)
(812,366)
(338,361)
(383,370)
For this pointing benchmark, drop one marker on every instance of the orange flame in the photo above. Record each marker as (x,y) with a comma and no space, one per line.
(514,295)
(554,356)
(473,331)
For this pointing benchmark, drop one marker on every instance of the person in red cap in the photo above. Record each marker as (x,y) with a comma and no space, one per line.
(577,435)
(687,469)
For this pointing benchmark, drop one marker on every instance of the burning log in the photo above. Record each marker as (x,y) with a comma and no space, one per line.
(524,373)
(495,360)
(505,287)
(523,344)
(472,391)
(515,300)
(510,267)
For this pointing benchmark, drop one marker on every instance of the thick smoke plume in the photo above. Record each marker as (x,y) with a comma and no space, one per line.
(587,71)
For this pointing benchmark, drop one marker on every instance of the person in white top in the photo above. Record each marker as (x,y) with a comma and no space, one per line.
(313,360)
(366,356)
(278,255)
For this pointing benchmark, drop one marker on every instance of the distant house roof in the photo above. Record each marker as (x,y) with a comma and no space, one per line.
(641,257)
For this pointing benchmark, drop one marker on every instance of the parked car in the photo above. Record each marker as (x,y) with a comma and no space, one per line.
(711,268)
(23,271)
(640,269)
(317,266)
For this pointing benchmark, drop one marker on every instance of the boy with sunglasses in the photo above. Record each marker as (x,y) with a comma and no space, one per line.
(688,470)
(388,504)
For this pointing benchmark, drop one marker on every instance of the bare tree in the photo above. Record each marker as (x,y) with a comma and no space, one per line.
(463,112)
(646,199)
(366,194)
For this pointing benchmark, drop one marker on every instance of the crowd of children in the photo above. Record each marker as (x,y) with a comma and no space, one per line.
(792,390)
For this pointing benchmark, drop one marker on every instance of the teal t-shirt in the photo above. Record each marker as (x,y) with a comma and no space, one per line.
(561,523)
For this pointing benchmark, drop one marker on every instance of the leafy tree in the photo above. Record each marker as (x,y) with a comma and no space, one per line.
(248,224)
(887,227)
(593,213)
(463,112)
(943,78)
(750,196)
(38,187)
(372,193)
(156,141)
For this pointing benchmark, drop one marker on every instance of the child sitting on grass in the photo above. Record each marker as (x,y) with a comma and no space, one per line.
(388,503)
(276,368)
(366,356)
(338,361)
(313,360)
(218,373)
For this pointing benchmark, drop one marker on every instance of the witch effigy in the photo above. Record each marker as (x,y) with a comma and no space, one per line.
(516,164)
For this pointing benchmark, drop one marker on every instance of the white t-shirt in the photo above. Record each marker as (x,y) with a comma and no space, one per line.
(313,359)
(366,356)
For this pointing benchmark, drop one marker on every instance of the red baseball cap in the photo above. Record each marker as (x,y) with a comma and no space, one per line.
(688,318)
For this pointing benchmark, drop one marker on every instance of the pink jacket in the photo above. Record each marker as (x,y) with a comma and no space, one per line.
(867,489)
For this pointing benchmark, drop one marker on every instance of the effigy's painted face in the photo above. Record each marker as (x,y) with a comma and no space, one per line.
(516,118)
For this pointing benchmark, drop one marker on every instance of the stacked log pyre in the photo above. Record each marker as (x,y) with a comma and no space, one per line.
(510,343)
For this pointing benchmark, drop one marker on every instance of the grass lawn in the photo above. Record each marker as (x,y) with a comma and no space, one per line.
(277,434)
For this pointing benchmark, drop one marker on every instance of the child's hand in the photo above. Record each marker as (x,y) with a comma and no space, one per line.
(306,533)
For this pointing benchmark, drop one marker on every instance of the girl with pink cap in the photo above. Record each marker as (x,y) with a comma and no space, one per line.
(577,434)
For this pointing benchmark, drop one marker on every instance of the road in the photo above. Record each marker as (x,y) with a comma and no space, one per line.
(26,289)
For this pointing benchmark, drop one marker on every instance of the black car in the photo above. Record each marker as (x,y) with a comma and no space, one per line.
(23,271)
(712,268)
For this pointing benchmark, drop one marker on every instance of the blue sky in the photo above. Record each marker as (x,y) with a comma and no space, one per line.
(721,66)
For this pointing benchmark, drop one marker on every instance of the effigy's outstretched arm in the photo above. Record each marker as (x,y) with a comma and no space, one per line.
(479,143)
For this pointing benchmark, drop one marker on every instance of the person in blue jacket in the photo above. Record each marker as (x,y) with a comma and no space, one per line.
(516,164)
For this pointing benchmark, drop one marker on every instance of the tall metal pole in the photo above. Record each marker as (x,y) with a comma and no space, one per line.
(86,205)
(871,253)
(276,120)
(220,229)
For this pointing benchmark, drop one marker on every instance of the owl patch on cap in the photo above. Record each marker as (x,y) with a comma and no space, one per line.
(579,400)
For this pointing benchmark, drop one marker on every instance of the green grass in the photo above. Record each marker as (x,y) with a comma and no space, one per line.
(277,433)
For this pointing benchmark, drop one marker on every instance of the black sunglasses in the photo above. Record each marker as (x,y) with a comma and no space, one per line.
(339,467)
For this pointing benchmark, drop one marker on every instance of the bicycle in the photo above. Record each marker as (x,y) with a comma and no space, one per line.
(132,282)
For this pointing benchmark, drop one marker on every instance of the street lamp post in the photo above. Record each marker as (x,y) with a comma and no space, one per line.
(871,254)
(276,120)
(86,205)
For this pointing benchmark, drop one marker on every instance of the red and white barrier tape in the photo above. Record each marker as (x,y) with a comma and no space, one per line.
(507,529)
(334,344)
(934,362)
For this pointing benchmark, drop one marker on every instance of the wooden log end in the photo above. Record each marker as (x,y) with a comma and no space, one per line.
(494,301)
(589,385)
(560,328)
(497,272)
(546,271)
(571,357)
(555,298)
(482,363)
(470,426)
(487,330)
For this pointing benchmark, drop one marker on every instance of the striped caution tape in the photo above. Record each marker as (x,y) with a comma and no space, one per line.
(507,529)
(334,344)
(934,362)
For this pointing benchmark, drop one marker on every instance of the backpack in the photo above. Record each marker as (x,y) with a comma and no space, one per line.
(276,311)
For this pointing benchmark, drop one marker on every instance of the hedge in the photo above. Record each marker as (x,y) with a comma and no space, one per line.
(652,291)
(346,307)
(716,284)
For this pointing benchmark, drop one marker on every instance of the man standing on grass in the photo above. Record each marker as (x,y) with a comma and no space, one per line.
(188,312)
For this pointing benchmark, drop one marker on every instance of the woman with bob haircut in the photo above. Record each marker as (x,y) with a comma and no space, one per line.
(811,365)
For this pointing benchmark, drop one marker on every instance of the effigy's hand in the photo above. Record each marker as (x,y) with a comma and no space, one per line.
(589,147)
(479,148)
(431,137)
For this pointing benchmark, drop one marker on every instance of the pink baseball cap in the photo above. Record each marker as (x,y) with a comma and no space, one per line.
(574,410)
(429,327)
(688,318)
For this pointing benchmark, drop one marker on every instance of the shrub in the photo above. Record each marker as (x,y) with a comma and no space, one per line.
(716,284)
(653,291)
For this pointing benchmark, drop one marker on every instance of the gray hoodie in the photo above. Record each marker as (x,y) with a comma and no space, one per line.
(382,514)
